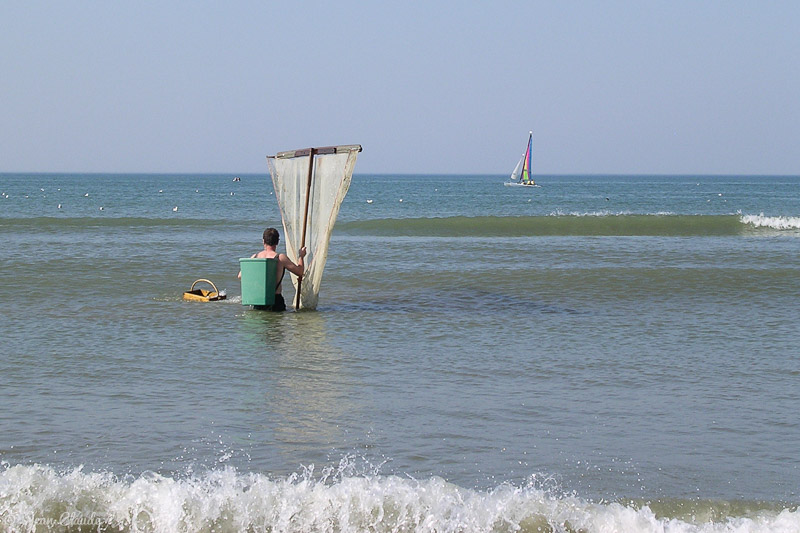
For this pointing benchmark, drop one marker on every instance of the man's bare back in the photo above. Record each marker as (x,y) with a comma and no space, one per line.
(271,239)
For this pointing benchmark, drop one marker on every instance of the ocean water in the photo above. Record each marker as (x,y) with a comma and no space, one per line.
(601,353)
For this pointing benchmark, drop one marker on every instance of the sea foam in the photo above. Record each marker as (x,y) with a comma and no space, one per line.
(781,222)
(39,498)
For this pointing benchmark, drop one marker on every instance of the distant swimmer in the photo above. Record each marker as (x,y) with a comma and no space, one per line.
(271,239)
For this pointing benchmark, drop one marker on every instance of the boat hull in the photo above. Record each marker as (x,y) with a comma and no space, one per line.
(516,184)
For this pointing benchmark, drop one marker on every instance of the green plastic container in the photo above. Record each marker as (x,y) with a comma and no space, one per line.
(259,278)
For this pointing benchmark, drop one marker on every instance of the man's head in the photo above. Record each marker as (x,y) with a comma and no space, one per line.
(271,237)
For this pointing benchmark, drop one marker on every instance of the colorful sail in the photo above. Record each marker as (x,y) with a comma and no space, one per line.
(526,178)
(522,172)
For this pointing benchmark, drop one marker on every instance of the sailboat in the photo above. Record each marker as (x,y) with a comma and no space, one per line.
(522,172)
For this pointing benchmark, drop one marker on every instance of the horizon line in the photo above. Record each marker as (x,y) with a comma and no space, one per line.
(471,174)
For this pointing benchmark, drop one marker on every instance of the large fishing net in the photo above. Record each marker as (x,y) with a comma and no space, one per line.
(331,171)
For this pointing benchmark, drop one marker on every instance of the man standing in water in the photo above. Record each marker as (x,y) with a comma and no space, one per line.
(271,238)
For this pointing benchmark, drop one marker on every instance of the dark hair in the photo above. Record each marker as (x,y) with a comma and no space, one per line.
(271,237)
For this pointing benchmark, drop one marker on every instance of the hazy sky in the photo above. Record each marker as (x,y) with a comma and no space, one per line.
(438,86)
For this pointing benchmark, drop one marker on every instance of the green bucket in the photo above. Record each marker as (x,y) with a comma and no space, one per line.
(259,279)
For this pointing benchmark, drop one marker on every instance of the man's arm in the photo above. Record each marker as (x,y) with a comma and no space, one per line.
(297,269)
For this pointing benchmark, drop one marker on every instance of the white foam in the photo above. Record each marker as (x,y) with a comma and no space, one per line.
(599,214)
(336,500)
(781,222)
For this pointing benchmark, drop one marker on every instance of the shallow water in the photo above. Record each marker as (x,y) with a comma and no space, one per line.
(478,361)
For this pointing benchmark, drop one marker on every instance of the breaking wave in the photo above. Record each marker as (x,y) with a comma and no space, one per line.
(574,224)
(600,223)
(780,223)
(34,498)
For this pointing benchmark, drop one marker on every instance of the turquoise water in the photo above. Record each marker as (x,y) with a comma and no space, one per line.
(602,353)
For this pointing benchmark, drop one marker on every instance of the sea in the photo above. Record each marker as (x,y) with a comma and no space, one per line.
(601,353)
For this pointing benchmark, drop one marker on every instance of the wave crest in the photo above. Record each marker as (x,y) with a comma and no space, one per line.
(780,223)
(556,224)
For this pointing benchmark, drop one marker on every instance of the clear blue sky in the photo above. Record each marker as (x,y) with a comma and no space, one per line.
(439,86)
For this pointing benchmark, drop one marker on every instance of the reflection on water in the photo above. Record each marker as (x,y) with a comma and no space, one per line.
(306,393)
